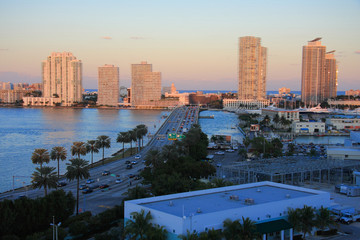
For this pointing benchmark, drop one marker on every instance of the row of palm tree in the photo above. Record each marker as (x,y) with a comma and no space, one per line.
(133,135)
(140,227)
(306,218)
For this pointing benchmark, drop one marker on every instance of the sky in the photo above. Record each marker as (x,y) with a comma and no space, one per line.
(193,43)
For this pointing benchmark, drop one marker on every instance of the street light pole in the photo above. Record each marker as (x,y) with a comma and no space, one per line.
(55,226)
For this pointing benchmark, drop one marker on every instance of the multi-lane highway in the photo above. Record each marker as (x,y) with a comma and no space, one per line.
(120,178)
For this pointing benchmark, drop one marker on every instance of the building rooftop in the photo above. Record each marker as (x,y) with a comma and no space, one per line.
(222,199)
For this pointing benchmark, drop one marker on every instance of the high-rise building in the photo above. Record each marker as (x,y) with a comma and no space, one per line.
(62,78)
(108,92)
(145,85)
(331,75)
(319,73)
(252,69)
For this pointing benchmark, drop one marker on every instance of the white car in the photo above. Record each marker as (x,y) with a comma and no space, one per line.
(118,181)
(219,165)
(230,150)
(219,153)
(138,156)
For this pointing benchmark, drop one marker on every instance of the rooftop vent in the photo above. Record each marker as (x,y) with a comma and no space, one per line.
(287,196)
(258,190)
(198,210)
(234,197)
(171,203)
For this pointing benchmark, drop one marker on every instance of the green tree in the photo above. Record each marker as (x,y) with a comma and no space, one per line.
(143,130)
(243,153)
(103,142)
(140,225)
(157,233)
(153,158)
(44,177)
(231,229)
(303,219)
(77,169)
(92,147)
(79,149)
(58,153)
(40,156)
(137,192)
(219,182)
(123,138)
(276,120)
(189,235)
(324,219)
(133,138)
(235,230)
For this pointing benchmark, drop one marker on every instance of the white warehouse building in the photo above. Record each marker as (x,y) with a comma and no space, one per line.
(266,203)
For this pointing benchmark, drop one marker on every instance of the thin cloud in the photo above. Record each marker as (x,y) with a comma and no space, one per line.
(4,49)
(357,52)
(137,38)
(106,38)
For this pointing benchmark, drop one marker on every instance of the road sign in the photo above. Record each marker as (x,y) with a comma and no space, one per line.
(180,136)
(172,136)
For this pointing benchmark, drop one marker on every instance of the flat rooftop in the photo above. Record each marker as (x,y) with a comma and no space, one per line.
(221,199)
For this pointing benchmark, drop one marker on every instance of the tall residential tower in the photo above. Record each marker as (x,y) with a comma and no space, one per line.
(108,92)
(145,85)
(319,73)
(62,78)
(252,69)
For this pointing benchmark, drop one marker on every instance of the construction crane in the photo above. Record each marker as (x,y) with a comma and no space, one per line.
(316,39)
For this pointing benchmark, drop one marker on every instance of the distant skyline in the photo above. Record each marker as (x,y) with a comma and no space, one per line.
(192,43)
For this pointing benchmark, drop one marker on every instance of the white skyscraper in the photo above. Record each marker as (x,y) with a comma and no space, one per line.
(62,77)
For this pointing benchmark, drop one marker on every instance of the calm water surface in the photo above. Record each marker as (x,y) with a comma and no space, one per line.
(24,129)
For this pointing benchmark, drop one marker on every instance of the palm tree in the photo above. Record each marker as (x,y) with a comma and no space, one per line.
(40,156)
(189,235)
(157,233)
(307,219)
(153,158)
(44,177)
(213,234)
(294,218)
(139,227)
(122,138)
(276,119)
(93,147)
(231,229)
(78,148)
(219,182)
(248,230)
(77,169)
(132,138)
(58,153)
(103,142)
(143,131)
(324,218)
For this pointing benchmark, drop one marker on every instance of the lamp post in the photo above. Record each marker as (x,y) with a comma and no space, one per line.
(55,226)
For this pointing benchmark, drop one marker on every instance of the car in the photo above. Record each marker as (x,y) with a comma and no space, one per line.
(129,166)
(90,181)
(235,147)
(102,186)
(134,162)
(118,181)
(61,184)
(105,173)
(131,175)
(127,162)
(94,186)
(83,186)
(87,190)
(219,165)
(138,156)
(137,177)
(230,150)
(219,153)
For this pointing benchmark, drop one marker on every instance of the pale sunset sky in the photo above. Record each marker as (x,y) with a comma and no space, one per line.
(193,43)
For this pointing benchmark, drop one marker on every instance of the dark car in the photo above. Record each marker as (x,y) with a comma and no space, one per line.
(131,175)
(90,181)
(83,186)
(105,173)
(103,186)
(61,184)
(129,166)
(127,162)
(87,190)
(137,177)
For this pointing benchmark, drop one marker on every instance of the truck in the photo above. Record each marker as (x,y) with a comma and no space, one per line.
(349,217)
(338,211)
